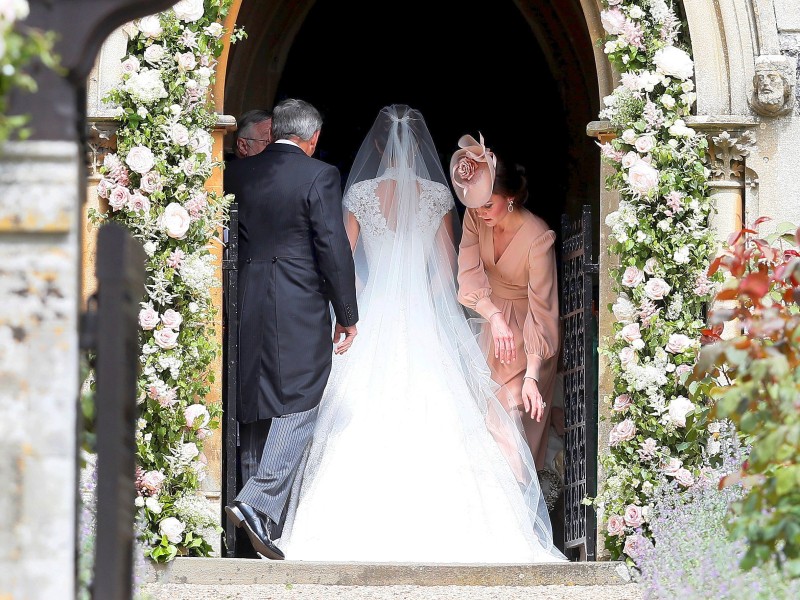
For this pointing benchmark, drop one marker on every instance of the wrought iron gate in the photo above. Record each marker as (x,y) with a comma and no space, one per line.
(230,382)
(580,393)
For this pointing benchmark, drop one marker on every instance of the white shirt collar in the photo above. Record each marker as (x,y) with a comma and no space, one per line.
(290,142)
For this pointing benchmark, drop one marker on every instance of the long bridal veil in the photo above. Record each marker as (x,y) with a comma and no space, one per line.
(414,343)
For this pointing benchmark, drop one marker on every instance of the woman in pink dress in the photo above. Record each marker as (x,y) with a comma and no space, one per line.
(507,274)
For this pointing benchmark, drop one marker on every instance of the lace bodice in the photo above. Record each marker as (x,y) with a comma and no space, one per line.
(362,200)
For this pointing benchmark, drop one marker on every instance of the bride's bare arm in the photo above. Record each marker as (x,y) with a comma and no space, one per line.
(352,228)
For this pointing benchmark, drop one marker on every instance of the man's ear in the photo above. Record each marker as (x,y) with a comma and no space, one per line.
(241,146)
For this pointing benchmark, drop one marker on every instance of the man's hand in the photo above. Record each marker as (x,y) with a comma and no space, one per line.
(349,334)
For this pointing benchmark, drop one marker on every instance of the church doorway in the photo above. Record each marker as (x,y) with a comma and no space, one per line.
(520,72)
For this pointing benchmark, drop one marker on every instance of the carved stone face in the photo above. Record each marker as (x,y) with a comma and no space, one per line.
(770,89)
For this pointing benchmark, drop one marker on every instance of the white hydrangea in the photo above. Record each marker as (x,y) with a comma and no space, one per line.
(146,86)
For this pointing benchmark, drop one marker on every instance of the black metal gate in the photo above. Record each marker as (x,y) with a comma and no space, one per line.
(230,383)
(580,385)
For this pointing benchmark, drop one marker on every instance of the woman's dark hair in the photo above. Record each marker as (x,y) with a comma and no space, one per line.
(510,181)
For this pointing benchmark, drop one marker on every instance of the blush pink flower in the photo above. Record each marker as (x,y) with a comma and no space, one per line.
(633,516)
(148,318)
(166,338)
(176,258)
(615,525)
(622,402)
(622,432)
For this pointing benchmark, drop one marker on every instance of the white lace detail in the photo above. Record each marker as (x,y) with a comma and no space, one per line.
(363,203)
(361,199)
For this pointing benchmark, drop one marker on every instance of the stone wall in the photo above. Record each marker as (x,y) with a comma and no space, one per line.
(39,260)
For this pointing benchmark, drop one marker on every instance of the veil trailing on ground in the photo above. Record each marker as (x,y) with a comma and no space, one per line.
(404,248)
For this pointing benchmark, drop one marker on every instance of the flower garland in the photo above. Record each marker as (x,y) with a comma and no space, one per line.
(661,235)
(155,185)
(19,46)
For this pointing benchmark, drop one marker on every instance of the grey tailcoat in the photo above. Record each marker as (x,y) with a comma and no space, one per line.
(294,263)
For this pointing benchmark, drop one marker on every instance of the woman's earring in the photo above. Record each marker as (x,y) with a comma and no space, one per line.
(510,207)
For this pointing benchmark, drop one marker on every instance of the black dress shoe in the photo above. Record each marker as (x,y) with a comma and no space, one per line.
(245,516)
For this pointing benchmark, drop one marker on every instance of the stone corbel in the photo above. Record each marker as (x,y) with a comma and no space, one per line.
(772,92)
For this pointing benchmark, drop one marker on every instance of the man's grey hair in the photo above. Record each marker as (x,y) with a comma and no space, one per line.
(295,118)
(247,120)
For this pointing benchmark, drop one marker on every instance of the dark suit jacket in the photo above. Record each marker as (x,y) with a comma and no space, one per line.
(294,262)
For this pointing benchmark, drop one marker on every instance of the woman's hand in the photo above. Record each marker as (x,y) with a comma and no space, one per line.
(504,347)
(532,399)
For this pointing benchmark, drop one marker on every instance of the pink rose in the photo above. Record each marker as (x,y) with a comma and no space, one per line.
(152,481)
(139,203)
(631,332)
(633,516)
(644,144)
(642,177)
(166,338)
(186,61)
(104,187)
(672,466)
(627,356)
(679,343)
(179,134)
(632,277)
(140,159)
(622,432)
(656,288)
(119,197)
(168,398)
(683,369)
(684,477)
(630,159)
(171,319)
(151,182)
(651,266)
(622,402)
(130,65)
(175,221)
(634,545)
(615,525)
(148,318)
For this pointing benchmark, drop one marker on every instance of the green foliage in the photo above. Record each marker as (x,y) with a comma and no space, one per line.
(754,376)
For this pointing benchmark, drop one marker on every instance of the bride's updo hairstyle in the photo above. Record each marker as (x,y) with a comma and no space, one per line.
(510,181)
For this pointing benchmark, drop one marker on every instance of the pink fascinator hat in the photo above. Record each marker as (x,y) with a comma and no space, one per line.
(472,171)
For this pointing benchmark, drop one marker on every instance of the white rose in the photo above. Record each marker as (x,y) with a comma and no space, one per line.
(150,26)
(166,338)
(680,129)
(171,319)
(139,502)
(130,65)
(635,12)
(189,451)
(679,343)
(175,221)
(193,307)
(189,11)
(630,159)
(645,143)
(678,409)
(179,134)
(656,288)
(642,177)
(632,277)
(186,61)
(150,248)
(148,318)
(195,411)
(623,309)
(140,159)
(172,528)
(668,101)
(629,136)
(153,505)
(674,62)
(214,30)
(687,86)
(154,53)
(613,21)
(651,266)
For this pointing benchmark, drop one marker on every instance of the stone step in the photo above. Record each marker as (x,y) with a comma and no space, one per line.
(238,571)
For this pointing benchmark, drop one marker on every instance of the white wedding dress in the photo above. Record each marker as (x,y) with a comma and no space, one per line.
(402,466)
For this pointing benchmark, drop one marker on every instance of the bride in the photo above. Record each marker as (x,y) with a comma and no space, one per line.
(413,458)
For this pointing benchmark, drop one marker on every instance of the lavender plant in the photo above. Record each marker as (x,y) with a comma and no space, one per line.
(692,554)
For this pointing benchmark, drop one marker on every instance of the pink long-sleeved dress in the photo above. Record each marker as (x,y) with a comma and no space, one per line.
(523,285)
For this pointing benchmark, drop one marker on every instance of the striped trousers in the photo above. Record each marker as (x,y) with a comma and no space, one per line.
(268,490)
